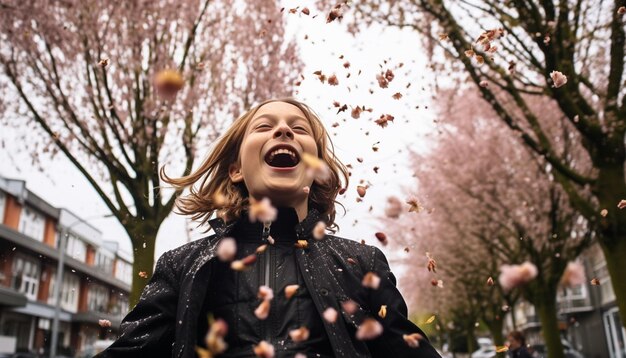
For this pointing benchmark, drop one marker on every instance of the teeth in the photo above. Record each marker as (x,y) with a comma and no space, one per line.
(281,150)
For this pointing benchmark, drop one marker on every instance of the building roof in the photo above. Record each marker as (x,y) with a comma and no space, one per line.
(65,218)
(17,188)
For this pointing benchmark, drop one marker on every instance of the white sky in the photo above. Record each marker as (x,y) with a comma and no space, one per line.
(63,186)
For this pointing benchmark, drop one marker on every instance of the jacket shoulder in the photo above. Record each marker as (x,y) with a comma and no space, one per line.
(353,248)
(349,243)
(188,252)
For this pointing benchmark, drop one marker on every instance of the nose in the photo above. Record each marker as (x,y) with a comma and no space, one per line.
(283,130)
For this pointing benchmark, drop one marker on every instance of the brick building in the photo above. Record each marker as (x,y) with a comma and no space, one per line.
(95,284)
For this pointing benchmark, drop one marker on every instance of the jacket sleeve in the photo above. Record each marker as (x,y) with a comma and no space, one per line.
(148,330)
(395,324)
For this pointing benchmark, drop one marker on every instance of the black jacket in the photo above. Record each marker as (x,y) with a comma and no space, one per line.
(165,321)
(232,295)
(520,352)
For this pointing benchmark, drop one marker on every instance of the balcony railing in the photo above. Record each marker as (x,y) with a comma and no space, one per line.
(571,305)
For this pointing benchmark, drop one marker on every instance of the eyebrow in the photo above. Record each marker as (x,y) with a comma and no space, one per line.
(273,117)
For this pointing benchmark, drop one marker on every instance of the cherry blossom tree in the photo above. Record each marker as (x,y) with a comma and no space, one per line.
(567,53)
(490,202)
(122,88)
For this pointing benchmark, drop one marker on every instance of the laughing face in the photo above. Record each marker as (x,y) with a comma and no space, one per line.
(270,155)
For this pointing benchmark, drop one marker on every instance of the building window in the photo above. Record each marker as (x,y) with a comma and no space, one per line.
(32,224)
(578,292)
(3,202)
(98,298)
(76,248)
(123,271)
(120,305)
(606,288)
(26,276)
(615,333)
(104,261)
(69,292)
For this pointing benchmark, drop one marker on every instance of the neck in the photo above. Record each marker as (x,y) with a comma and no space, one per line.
(301,206)
(302,210)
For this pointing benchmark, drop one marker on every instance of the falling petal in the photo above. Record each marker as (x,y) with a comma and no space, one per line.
(394,207)
(265,293)
(335,13)
(412,340)
(382,312)
(261,210)
(381,237)
(558,79)
(264,350)
(299,334)
(261,249)
(349,306)
(104,323)
(215,337)
(369,329)
(290,290)
(302,244)
(333,81)
(226,249)
(263,310)
(319,231)
(330,315)
(415,205)
(168,83)
(432,265)
(595,281)
(501,349)
(371,280)
(573,275)
(316,168)
(512,276)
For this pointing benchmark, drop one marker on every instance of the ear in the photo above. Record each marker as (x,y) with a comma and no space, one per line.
(234,172)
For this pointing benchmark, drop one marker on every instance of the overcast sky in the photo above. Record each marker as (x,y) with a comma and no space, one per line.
(63,186)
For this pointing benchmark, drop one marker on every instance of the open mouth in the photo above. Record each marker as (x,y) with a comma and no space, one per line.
(282,157)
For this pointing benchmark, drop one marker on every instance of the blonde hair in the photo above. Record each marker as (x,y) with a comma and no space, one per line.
(217,193)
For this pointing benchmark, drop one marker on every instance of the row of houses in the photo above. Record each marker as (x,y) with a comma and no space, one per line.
(95,284)
(588,314)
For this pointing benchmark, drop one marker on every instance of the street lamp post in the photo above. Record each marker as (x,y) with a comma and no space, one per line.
(57,292)
(59,281)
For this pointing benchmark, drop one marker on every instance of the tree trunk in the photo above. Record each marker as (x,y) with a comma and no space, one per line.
(471,340)
(549,325)
(143,239)
(512,310)
(615,256)
(495,328)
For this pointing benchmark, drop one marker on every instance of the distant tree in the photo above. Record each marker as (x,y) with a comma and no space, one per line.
(122,88)
(568,53)
(492,202)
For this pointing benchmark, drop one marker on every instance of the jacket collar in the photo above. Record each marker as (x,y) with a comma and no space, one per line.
(286,216)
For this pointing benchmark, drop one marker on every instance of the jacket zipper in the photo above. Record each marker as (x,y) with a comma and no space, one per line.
(266,274)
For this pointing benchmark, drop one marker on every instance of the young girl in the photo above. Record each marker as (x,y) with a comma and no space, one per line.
(270,280)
